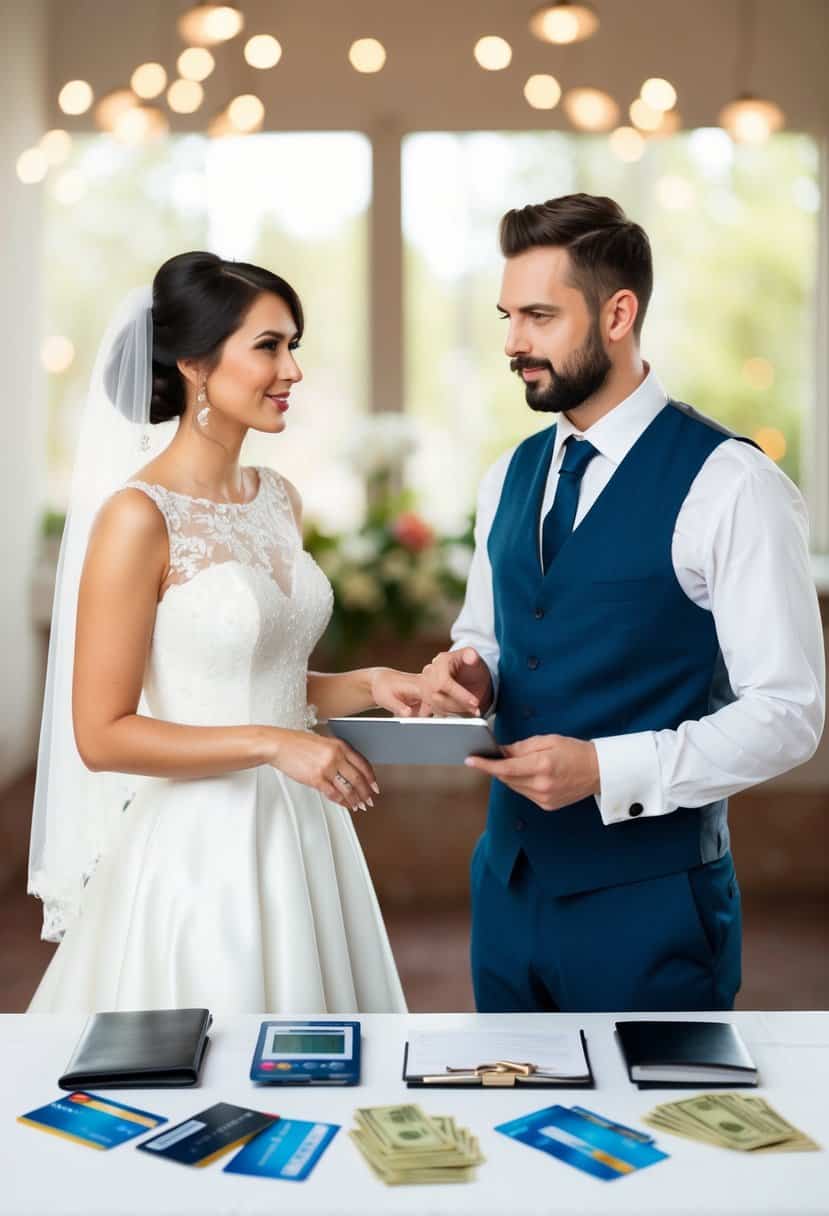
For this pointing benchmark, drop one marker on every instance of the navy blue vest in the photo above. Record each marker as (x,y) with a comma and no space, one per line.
(605,643)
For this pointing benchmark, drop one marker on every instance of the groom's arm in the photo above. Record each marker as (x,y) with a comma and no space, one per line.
(475,624)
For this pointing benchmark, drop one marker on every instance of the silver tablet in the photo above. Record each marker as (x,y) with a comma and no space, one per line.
(417,740)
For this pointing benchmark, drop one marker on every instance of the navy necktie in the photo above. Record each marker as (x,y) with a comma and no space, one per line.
(559,520)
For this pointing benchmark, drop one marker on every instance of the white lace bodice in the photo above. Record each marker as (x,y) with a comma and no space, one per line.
(241,610)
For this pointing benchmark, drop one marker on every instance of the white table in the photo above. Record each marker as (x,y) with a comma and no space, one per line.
(42,1174)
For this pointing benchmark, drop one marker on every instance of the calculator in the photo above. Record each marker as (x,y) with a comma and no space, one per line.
(307,1053)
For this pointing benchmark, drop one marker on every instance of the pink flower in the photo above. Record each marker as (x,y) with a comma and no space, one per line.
(412,532)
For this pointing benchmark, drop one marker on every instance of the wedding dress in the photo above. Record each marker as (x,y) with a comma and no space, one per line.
(246,892)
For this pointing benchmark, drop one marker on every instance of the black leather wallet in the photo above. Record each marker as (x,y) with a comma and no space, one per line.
(139,1049)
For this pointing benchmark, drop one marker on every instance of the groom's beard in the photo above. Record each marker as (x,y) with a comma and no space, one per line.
(582,375)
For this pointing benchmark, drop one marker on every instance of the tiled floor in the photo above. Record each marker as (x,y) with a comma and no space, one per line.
(785,963)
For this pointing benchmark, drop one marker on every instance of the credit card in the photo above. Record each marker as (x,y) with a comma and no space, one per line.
(208,1135)
(97,1122)
(583,1142)
(288,1149)
(621,1128)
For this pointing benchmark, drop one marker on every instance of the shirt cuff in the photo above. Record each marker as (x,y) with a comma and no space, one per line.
(630,778)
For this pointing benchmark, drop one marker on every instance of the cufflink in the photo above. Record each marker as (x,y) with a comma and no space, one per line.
(635,809)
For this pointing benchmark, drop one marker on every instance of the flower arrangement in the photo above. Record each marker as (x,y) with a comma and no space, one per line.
(395,574)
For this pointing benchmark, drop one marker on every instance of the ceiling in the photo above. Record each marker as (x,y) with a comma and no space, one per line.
(431,80)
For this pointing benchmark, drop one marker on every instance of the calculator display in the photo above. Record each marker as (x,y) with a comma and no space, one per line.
(294,1043)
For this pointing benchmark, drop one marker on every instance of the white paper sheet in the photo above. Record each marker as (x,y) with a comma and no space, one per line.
(557,1054)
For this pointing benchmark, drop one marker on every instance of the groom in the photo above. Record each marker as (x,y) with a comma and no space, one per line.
(641,620)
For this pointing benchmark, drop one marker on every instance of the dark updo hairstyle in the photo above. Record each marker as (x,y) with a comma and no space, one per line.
(199,300)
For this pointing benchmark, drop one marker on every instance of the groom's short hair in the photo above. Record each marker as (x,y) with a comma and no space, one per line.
(607,251)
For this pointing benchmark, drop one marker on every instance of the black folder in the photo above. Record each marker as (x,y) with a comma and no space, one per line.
(685,1055)
(139,1049)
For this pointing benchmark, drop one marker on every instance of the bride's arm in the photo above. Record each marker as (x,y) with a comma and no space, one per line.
(125,564)
(350,692)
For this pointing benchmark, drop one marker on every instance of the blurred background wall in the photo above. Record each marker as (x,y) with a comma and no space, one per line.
(374,179)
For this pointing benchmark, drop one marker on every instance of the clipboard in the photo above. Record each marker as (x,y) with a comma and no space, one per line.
(417,740)
(500,1074)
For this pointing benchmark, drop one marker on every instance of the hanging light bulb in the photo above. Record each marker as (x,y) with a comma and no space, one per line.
(149,80)
(591,109)
(140,125)
(367,55)
(644,116)
(185,96)
(659,94)
(195,63)
(220,126)
(56,145)
(112,106)
(748,118)
(564,21)
(627,144)
(57,353)
(670,124)
(210,24)
(542,92)
(263,51)
(246,113)
(751,120)
(492,53)
(75,97)
(32,166)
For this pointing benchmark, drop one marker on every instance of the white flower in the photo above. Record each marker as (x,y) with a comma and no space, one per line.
(358,549)
(395,567)
(380,443)
(359,590)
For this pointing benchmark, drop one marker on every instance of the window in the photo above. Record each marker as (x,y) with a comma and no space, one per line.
(731,323)
(297,203)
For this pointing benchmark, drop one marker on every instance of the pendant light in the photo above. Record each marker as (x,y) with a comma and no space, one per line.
(564,21)
(749,119)
(210,24)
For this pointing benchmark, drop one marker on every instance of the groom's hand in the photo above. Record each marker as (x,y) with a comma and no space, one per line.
(551,770)
(457,682)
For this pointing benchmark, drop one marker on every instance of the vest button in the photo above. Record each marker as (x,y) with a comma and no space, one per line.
(636,809)
(539,613)
(520,824)
(533,662)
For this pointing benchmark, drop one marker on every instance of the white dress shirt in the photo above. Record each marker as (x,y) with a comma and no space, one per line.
(740,550)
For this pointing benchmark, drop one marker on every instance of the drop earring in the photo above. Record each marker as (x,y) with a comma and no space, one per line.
(204,412)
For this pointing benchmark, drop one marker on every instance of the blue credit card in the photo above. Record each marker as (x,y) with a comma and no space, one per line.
(209,1134)
(587,1142)
(288,1149)
(89,1119)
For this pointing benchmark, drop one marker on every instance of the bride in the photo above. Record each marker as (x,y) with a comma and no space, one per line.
(191,841)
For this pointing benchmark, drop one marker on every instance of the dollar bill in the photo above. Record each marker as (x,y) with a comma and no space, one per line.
(402,1144)
(743,1122)
(402,1127)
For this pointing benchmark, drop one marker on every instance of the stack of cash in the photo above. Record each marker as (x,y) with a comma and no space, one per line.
(402,1144)
(738,1121)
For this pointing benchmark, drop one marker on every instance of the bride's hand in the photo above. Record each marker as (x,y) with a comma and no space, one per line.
(400,692)
(327,765)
